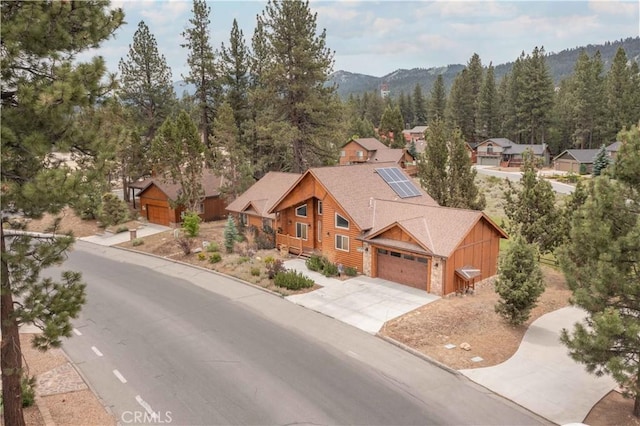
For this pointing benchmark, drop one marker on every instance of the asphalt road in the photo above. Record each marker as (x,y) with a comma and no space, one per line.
(559,187)
(193,347)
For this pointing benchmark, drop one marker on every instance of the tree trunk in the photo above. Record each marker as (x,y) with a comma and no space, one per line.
(636,406)
(10,352)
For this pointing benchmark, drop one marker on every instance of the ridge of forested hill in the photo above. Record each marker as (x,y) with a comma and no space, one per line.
(561,65)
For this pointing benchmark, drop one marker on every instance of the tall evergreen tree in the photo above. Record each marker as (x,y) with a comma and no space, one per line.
(474,84)
(178,151)
(299,65)
(601,262)
(145,82)
(438,104)
(461,107)
(536,99)
(619,95)
(203,70)
(627,164)
(232,160)
(531,209)
(419,106)
(146,88)
(445,169)
(391,127)
(235,74)
(43,86)
(406,109)
(588,100)
(487,119)
(519,282)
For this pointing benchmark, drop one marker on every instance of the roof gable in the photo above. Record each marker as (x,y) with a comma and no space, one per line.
(370,144)
(583,156)
(503,142)
(211,184)
(263,194)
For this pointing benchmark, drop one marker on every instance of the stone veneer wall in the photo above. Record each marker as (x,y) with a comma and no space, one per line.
(366,259)
(436,279)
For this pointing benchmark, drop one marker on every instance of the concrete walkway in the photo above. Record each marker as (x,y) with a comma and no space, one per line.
(364,302)
(109,239)
(542,377)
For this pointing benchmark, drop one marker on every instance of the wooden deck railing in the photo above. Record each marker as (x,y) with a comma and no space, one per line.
(293,244)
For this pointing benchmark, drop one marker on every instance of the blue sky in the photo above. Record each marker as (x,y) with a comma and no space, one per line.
(378,37)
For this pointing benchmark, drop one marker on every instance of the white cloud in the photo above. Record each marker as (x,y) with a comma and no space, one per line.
(164,13)
(468,9)
(627,8)
(382,26)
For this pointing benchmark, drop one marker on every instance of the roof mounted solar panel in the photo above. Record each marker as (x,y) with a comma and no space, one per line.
(399,182)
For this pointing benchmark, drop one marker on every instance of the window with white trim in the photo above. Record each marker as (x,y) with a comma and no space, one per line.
(320,207)
(242,218)
(301,211)
(342,242)
(359,154)
(301,230)
(201,208)
(341,222)
(343,153)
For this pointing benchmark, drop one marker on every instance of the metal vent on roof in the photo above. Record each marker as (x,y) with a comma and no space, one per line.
(399,182)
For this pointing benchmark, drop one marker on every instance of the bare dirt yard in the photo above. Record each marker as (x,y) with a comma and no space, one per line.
(456,319)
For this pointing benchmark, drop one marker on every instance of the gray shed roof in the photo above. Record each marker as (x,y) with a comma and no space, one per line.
(582,156)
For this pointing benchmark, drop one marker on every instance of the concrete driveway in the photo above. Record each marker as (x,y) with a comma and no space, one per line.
(109,239)
(542,377)
(364,302)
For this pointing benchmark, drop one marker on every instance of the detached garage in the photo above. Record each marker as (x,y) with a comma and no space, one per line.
(157,195)
(575,160)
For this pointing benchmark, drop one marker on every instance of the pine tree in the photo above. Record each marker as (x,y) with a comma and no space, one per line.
(147,90)
(601,262)
(419,106)
(461,108)
(145,82)
(487,120)
(433,163)
(587,94)
(463,192)
(203,70)
(627,164)
(231,156)
(475,79)
(230,234)
(536,99)
(619,95)
(235,74)
(519,282)
(601,161)
(391,127)
(178,151)
(42,87)
(307,111)
(438,103)
(531,209)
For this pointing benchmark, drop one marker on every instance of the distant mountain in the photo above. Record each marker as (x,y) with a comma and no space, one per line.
(560,64)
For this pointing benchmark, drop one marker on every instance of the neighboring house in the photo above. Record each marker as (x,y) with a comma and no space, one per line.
(252,207)
(157,195)
(371,150)
(415,134)
(613,149)
(503,152)
(572,160)
(374,218)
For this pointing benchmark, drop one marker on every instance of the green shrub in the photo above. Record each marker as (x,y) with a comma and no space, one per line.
(137,242)
(330,269)
(28,385)
(316,263)
(215,258)
(274,268)
(255,271)
(350,272)
(191,224)
(202,256)
(113,210)
(121,229)
(269,259)
(292,280)
(243,259)
(213,247)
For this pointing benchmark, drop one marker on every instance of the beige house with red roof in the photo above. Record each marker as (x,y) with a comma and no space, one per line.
(371,150)
(374,218)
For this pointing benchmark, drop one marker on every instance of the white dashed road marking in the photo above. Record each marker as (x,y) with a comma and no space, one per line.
(144,404)
(96,351)
(119,376)
(77,332)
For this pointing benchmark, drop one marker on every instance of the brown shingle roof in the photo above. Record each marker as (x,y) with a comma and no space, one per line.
(371,144)
(387,155)
(264,193)
(211,184)
(353,187)
(438,229)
